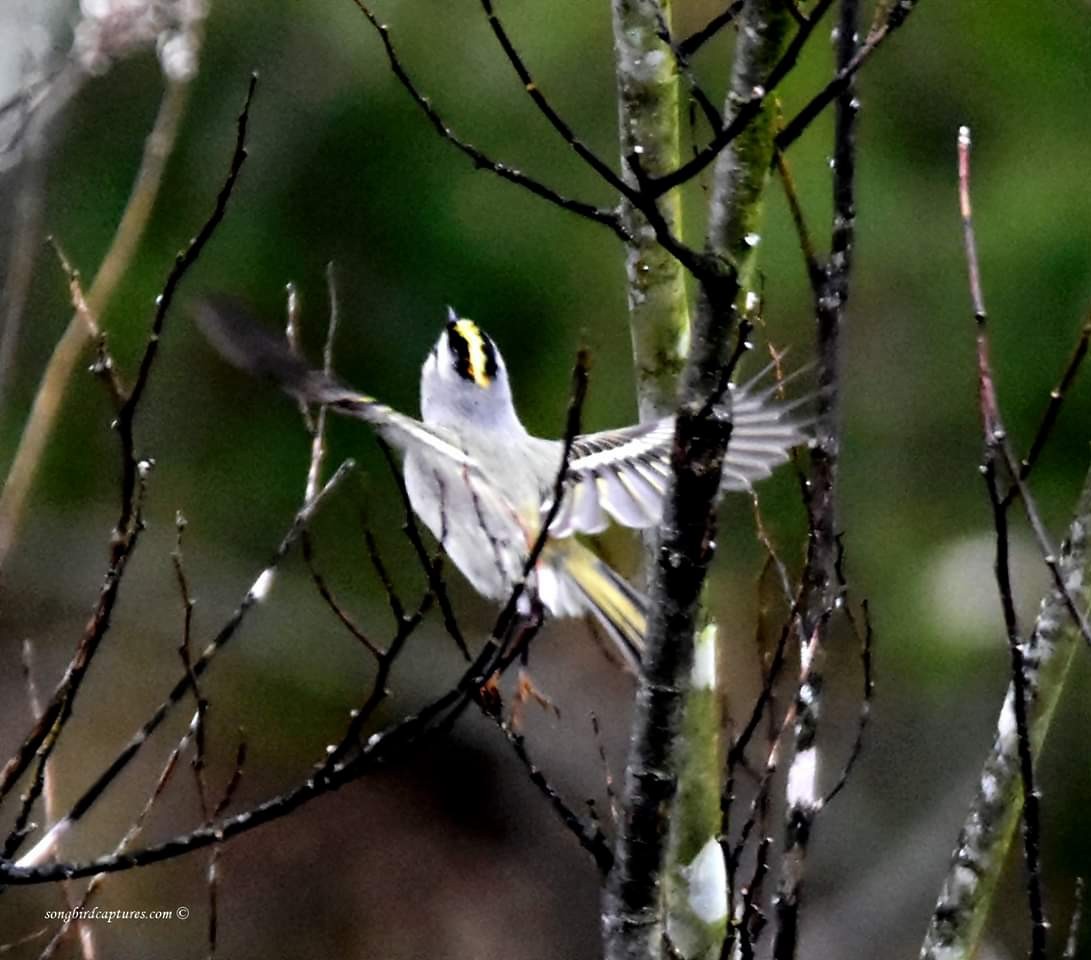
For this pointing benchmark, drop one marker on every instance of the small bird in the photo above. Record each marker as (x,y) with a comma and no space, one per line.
(483,485)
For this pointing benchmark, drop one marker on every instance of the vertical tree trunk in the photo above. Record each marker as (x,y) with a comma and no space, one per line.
(675,744)
(647,78)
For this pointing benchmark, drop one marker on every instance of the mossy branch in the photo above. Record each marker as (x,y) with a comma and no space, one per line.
(734,230)
(958,920)
(648,121)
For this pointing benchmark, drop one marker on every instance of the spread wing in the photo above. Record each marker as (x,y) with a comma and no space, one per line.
(248,345)
(622,474)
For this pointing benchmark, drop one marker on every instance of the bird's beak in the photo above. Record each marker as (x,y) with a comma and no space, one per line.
(452,314)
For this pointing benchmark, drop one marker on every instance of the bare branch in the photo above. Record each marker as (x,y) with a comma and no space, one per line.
(214,858)
(815,272)
(481,161)
(432,566)
(866,651)
(183,686)
(821,591)
(748,109)
(1023,675)
(896,16)
(1021,689)
(331,601)
(1056,399)
(580,373)
(187,257)
(105,367)
(556,121)
(47,401)
(607,776)
(131,834)
(127,530)
(691,44)
(589,836)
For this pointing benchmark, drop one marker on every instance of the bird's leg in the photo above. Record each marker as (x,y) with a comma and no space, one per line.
(526,691)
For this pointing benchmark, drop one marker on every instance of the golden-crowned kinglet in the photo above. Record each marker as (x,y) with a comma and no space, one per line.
(483,485)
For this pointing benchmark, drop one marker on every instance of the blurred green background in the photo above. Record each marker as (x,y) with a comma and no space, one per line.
(455,855)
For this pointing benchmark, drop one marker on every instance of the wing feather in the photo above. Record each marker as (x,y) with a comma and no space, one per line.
(623,473)
(252,348)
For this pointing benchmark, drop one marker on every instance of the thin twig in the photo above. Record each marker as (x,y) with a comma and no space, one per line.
(183,686)
(691,44)
(866,651)
(332,603)
(185,651)
(105,366)
(821,591)
(47,727)
(896,16)
(580,374)
(815,273)
(43,785)
(748,110)
(318,439)
(589,836)
(736,752)
(585,153)
(214,858)
(66,354)
(481,161)
(432,566)
(607,776)
(771,551)
(359,717)
(993,438)
(1056,399)
(187,257)
(682,55)
(291,334)
(134,470)
(131,834)
(397,608)
(752,922)
(1041,535)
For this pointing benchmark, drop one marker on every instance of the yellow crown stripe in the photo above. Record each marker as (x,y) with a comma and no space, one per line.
(475,342)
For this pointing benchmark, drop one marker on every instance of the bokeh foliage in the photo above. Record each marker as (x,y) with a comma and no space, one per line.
(344,168)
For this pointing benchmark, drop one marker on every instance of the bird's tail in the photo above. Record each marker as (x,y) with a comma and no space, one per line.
(619,607)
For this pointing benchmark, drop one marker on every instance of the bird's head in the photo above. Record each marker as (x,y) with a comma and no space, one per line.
(464,379)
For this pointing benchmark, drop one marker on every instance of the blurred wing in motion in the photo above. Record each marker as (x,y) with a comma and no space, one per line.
(623,473)
(246,344)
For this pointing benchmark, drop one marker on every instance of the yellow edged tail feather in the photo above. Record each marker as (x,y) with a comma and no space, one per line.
(618,606)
